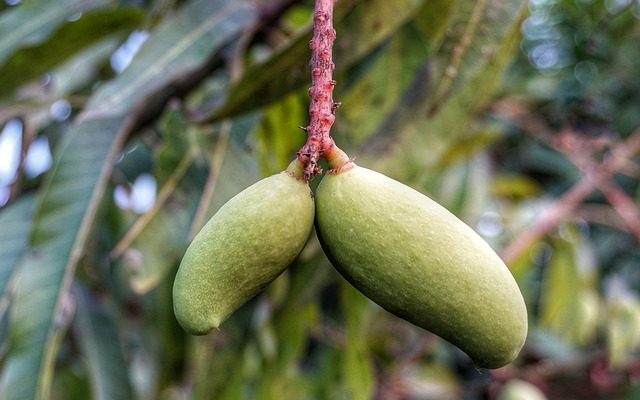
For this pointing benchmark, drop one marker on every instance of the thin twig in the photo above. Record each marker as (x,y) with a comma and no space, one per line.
(564,206)
(458,54)
(215,161)
(623,205)
(167,190)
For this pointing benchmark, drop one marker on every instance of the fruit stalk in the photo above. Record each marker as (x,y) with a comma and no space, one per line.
(322,109)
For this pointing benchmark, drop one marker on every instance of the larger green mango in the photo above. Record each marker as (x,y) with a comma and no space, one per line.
(242,248)
(417,260)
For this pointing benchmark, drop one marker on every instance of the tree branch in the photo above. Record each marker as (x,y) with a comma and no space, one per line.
(322,108)
(595,177)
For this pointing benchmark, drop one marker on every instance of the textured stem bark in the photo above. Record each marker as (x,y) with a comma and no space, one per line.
(322,108)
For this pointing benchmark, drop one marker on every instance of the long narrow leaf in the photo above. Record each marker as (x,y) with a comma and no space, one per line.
(102,350)
(464,98)
(34,20)
(361,29)
(31,62)
(61,224)
(68,203)
(176,48)
(15,226)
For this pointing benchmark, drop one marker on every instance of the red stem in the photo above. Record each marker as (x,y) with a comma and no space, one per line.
(322,108)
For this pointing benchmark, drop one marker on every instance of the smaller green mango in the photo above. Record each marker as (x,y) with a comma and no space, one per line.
(242,248)
(517,389)
(420,262)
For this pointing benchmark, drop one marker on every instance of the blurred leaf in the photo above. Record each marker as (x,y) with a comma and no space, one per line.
(560,291)
(239,169)
(362,25)
(102,349)
(464,188)
(435,126)
(476,29)
(81,69)
(68,204)
(433,19)
(425,33)
(70,384)
(358,372)
(160,245)
(177,47)
(467,147)
(278,136)
(588,317)
(65,210)
(623,330)
(32,21)
(32,62)
(15,221)
(292,322)
(177,140)
(401,56)
(515,186)
(622,321)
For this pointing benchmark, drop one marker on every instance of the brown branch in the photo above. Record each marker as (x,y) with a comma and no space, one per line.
(623,205)
(567,204)
(322,108)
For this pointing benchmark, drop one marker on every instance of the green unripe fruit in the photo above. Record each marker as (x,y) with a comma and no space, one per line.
(517,389)
(241,249)
(417,260)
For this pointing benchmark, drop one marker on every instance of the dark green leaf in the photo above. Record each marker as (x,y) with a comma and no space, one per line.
(361,26)
(31,62)
(61,224)
(279,136)
(359,379)
(15,221)
(34,20)
(175,49)
(102,349)
(436,128)
(69,201)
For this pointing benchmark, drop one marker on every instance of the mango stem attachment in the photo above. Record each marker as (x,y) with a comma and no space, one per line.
(322,108)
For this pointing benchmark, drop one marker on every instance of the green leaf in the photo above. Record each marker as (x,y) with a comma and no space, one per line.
(560,294)
(436,126)
(71,38)
(403,56)
(361,27)
(623,329)
(161,243)
(176,49)
(68,203)
(359,378)
(101,349)
(65,210)
(279,136)
(15,221)
(33,20)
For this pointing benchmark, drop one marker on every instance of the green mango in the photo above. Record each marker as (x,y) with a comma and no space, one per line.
(242,248)
(517,389)
(420,262)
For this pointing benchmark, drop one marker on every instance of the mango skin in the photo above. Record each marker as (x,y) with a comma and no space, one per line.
(242,248)
(420,262)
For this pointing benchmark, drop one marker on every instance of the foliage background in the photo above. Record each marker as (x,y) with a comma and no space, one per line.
(522,118)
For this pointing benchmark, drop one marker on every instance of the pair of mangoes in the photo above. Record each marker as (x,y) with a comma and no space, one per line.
(398,247)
